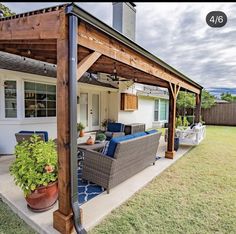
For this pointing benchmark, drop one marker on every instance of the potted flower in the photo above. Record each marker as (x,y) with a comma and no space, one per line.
(35,171)
(80,129)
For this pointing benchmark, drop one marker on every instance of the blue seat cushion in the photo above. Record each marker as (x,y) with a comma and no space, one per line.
(115,127)
(44,132)
(113,143)
(139,134)
(151,131)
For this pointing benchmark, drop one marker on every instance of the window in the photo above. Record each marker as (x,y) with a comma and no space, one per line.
(40,100)
(10,99)
(156,110)
(163,110)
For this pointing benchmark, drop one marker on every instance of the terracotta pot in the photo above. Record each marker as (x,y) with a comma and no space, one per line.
(81,133)
(43,198)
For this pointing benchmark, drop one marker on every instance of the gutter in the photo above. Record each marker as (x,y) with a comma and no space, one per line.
(73,25)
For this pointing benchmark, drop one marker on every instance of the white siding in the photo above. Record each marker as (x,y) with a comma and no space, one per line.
(113,105)
(144,114)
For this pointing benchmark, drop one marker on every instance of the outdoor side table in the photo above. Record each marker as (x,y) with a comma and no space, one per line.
(81,149)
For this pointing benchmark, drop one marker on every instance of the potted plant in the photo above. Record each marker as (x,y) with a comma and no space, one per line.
(35,171)
(80,129)
(101,137)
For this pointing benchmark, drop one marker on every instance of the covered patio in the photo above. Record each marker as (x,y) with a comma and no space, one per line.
(93,211)
(77,42)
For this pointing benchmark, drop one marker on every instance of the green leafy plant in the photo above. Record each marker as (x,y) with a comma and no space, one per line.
(185,122)
(80,126)
(35,164)
(178,122)
(101,137)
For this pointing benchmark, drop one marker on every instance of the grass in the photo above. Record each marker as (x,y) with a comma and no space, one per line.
(10,223)
(195,195)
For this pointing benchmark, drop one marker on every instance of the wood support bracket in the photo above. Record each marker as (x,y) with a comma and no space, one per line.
(86,63)
(174,90)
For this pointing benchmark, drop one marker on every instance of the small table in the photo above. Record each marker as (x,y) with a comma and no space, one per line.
(83,147)
(134,127)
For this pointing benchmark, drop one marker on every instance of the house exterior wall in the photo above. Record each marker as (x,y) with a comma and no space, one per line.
(144,114)
(145,111)
(9,126)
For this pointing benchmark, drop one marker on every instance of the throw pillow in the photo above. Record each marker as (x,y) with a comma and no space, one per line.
(105,148)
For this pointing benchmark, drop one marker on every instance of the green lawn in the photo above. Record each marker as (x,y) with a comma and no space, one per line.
(195,195)
(10,223)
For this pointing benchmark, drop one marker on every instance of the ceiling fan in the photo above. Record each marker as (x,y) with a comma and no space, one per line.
(114,76)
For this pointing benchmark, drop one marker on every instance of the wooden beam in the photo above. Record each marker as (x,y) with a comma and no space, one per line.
(198,108)
(173,94)
(63,218)
(95,40)
(86,63)
(30,42)
(171,127)
(40,26)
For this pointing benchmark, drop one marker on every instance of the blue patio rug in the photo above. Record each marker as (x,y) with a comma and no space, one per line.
(87,190)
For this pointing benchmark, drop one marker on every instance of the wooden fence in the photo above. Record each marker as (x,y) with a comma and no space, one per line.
(220,114)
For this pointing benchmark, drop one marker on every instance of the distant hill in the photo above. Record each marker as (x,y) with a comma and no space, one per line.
(217,91)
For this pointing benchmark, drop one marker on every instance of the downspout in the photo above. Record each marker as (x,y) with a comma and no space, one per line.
(73,25)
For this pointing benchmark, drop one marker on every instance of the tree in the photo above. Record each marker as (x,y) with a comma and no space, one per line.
(228,97)
(6,11)
(208,100)
(187,100)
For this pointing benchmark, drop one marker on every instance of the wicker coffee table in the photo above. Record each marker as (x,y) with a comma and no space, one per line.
(81,148)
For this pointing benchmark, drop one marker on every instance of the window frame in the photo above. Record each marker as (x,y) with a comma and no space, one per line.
(3,103)
(158,116)
(23,98)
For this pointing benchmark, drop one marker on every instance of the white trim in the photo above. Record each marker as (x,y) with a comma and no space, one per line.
(3,102)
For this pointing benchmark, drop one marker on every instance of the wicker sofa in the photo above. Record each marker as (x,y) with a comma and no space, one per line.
(130,157)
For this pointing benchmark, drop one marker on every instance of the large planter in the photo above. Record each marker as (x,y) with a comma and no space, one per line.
(43,198)
(176,145)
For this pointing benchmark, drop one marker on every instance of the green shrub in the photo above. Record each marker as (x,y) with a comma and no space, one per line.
(190,119)
(185,122)
(178,122)
(35,164)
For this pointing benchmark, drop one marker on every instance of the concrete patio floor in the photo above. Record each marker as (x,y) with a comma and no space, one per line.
(95,209)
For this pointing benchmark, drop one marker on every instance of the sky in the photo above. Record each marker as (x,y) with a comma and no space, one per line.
(178,34)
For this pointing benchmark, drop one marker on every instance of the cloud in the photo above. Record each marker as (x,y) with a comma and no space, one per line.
(178,34)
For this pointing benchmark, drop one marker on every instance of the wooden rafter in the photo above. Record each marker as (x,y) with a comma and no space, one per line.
(86,63)
(93,39)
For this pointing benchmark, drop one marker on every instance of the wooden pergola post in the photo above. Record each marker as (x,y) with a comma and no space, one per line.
(198,107)
(173,93)
(63,218)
